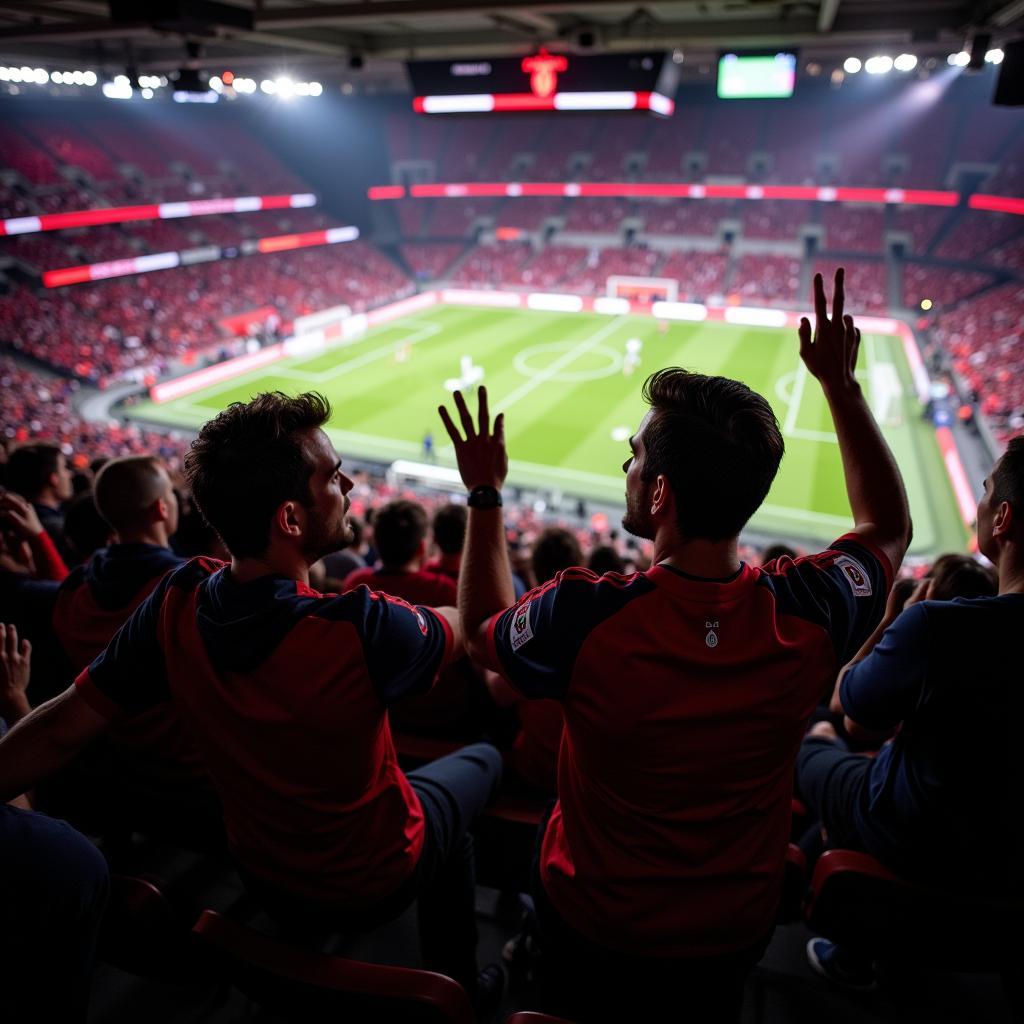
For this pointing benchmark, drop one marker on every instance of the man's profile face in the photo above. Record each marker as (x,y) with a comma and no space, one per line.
(637,519)
(328,527)
(64,481)
(986,514)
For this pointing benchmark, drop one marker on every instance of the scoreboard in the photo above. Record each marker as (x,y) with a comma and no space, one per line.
(544,81)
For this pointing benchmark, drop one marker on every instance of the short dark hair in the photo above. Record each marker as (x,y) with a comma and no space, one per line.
(398,530)
(248,459)
(127,487)
(605,558)
(718,444)
(30,467)
(1008,476)
(554,550)
(961,576)
(85,528)
(449,528)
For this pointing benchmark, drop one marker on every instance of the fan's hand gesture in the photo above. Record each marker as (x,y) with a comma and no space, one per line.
(19,515)
(481,454)
(830,353)
(15,662)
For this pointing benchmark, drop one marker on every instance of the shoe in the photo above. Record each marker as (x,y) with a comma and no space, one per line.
(490,990)
(828,960)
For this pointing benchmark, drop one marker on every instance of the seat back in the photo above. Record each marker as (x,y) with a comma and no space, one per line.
(858,902)
(143,934)
(307,986)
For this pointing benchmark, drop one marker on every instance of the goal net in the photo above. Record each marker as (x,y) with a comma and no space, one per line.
(643,289)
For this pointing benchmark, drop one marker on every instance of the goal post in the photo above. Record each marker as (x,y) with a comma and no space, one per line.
(643,289)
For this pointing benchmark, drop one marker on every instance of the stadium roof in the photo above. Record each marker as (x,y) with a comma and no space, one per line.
(150,34)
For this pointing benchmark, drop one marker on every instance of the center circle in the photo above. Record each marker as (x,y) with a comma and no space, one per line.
(603,361)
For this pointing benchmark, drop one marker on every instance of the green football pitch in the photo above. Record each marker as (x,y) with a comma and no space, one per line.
(570,404)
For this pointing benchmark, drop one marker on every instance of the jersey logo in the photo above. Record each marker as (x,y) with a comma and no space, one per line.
(520,630)
(855,575)
(421,622)
(712,638)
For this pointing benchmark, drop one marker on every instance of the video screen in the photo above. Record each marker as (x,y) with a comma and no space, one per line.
(756,77)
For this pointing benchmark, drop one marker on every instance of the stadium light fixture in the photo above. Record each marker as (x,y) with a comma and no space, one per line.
(89,78)
(926,304)
(315,88)
(959,60)
(905,62)
(119,89)
(285,87)
(57,77)
(677,57)
(269,86)
(880,65)
(147,93)
(994,56)
(852,65)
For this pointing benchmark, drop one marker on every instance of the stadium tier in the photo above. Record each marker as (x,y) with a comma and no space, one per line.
(667,673)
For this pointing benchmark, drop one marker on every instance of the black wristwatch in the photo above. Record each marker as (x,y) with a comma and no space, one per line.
(484,497)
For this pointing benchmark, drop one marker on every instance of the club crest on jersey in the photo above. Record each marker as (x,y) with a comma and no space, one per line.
(520,631)
(855,575)
(712,637)
(421,622)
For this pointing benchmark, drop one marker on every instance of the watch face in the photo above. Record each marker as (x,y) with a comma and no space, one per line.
(484,498)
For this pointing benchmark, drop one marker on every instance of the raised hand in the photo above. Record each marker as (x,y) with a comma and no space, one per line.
(481,454)
(830,353)
(19,515)
(15,661)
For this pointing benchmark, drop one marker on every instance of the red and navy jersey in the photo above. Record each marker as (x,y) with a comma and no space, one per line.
(286,691)
(92,605)
(685,702)
(421,587)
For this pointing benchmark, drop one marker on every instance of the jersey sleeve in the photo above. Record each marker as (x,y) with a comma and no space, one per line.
(843,589)
(534,643)
(129,675)
(405,645)
(886,686)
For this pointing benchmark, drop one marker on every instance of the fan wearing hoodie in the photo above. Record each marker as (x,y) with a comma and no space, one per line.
(286,692)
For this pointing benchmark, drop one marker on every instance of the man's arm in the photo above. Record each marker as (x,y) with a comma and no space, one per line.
(485,581)
(873,481)
(451,616)
(45,740)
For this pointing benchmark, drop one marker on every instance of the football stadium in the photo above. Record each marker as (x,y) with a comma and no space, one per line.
(511,514)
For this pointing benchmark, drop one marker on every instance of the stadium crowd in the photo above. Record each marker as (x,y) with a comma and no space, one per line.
(256,638)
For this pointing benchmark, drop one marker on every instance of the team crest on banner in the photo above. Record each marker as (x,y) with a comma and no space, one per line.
(855,575)
(520,630)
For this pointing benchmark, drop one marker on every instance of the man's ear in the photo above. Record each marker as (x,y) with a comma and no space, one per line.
(1003,522)
(288,519)
(662,499)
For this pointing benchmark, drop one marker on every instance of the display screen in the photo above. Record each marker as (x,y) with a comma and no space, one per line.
(761,77)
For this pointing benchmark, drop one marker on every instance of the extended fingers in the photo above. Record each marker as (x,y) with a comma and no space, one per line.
(804,332)
(483,413)
(11,642)
(852,340)
(838,295)
(464,416)
(820,303)
(453,431)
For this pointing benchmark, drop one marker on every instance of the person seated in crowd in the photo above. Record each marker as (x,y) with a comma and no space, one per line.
(958,575)
(458,706)
(286,694)
(686,689)
(940,799)
(449,531)
(138,505)
(53,885)
(605,558)
(85,530)
(40,474)
(400,530)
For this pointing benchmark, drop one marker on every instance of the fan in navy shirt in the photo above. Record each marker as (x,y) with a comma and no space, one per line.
(686,689)
(940,799)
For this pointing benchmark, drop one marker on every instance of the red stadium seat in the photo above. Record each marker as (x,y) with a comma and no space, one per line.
(305,986)
(858,902)
(143,933)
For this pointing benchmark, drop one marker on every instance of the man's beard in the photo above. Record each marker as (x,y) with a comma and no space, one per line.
(636,520)
(326,538)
